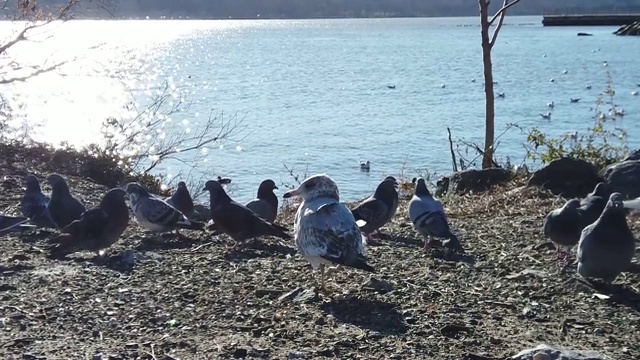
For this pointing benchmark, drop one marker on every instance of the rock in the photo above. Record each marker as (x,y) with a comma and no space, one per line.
(381,286)
(546,352)
(302,295)
(584,34)
(567,177)
(624,177)
(296,355)
(471,180)
(240,353)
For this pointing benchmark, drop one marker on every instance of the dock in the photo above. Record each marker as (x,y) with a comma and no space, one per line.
(590,16)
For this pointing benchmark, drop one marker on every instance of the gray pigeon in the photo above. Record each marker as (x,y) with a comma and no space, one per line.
(155,214)
(63,208)
(428,217)
(9,224)
(592,205)
(325,230)
(97,228)
(181,200)
(236,220)
(563,226)
(34,204)
(266,203)
(607,246)
(378,209)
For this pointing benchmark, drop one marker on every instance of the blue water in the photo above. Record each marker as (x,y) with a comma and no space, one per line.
(313,93)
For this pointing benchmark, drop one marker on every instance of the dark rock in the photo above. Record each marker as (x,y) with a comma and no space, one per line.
(624,177)
(567,177)
(240,353)
(584,34)
(471,180)
(555,353)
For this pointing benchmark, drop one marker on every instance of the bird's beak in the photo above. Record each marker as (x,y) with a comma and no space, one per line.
(291,193)
(204,189)
(275,187)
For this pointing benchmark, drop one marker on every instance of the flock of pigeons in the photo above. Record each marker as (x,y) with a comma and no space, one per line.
(598,225)
(326,231)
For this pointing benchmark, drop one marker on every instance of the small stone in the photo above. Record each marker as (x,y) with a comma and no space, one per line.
(296,355)
(381,286)
(240,353)
(321,321)
(97,356)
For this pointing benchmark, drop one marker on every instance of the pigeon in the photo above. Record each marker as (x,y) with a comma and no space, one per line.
(181,200)
(10,224)
(594,203)
(607,246)
(63,208)
(155,214)
(428,217)
(236,220)
(325,229)
(34,204)
(266,204)
(563,226)
(378,209)
(97,228)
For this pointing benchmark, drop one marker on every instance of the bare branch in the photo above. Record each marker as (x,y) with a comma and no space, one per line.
(38,71)
(503,9)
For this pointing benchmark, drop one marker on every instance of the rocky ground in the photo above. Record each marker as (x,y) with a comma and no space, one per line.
(187,298)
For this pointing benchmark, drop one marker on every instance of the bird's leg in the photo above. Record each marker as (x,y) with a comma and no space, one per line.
(426,246)
(371,241)
(322,277)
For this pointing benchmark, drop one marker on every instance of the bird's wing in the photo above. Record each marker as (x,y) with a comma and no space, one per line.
(157,211)
(260,207)
(371,210)
(33,204)
(93,221)
(330,231)
(428,215)
(8,223)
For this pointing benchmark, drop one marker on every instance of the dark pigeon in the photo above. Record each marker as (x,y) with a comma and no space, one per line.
(236,220)
(9,224)
(97,228)
(428,217)
(63,208)
(34,204)
(378,209)
(563,226)
(155,214)
(594,203)
(607,246)
(181,200)
(266,203)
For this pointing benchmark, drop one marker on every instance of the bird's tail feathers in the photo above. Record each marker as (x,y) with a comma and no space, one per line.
(190,224)
(20,225)
(632,204)
(278,231)
(361,263)
(61,245)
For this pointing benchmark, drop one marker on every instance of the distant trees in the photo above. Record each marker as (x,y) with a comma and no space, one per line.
(488,41)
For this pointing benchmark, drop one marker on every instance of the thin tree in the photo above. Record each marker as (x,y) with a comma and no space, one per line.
(488,41)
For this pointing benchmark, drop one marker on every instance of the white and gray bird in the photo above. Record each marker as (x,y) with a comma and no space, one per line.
(428,217)
(546,116)
(266,203)
(325,230)
(607,246)
(563,226)
(378,209)
(34,203)
(155,214)
(9,224)
(63,208)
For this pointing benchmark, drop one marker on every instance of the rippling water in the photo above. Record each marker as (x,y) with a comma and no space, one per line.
(313,93)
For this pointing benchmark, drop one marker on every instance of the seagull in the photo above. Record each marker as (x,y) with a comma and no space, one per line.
(325,230)
(473,80)
(563,226)
(551,105)
(546,116)
(266,203)
(634,93)
(588,87)
(607,246)
(10,224)
(574,100)
(428,217)
(565,71)
(97,228)
(34,204)
(501,95)
(63,208)
(236,220)
(378,209)
(552,80)
(365,166)
(181,200)
(443,86)
(155,214)
(391,86)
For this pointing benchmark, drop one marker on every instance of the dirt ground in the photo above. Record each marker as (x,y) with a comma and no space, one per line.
(188,298)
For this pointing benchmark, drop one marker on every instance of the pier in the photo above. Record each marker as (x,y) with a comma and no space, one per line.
(590,16)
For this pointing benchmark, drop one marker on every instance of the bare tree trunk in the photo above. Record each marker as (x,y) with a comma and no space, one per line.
(489,127)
